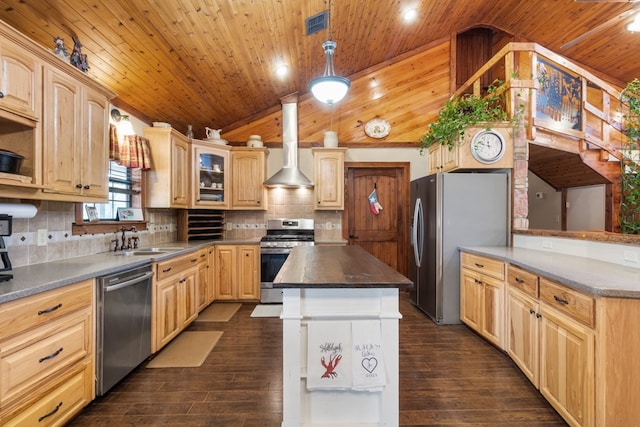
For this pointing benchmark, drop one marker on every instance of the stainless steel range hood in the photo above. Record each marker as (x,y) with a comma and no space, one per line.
(289,176)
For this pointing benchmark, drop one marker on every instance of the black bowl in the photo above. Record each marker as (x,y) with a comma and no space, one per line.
(10,162)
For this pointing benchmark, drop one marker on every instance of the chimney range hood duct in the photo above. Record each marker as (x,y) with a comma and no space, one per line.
(289,176)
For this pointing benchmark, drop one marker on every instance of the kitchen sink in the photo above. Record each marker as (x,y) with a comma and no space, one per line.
(164,249)
(139,252)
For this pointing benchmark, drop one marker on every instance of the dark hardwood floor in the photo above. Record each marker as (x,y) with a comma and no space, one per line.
(448,376)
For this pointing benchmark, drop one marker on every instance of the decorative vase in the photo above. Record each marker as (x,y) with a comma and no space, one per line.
(331,139)
(254,141)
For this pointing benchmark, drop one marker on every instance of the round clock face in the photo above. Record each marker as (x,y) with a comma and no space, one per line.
(487,146)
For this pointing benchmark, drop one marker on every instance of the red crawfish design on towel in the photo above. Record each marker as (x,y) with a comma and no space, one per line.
(335,356)
(374,205)
(329,355)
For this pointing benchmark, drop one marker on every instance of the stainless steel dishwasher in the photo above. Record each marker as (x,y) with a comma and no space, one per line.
(123,325)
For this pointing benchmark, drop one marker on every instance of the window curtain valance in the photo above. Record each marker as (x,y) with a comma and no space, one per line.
(133,151)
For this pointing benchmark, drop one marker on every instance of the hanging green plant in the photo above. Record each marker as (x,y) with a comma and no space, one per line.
(458,114)
(629,216)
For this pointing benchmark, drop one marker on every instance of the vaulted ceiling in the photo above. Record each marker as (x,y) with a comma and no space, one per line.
(212,62)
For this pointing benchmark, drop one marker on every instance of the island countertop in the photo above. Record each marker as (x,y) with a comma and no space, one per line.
(337,267)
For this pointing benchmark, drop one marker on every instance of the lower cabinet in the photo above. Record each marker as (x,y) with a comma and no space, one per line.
(175,298)
(482,297)
(203,279)
(237,272)
(47,356)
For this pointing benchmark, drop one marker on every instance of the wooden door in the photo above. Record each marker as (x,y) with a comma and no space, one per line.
(386,235)
(247,280)
(95,148)
(493,310)
(522,333)
(471,299)
(225,272)
(168,323)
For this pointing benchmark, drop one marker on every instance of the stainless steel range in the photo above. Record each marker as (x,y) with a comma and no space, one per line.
(282,236)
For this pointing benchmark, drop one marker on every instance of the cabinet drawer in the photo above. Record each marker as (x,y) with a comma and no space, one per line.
(176,265)
(26,361)
(579,306)
(19,315)
(523,280)
(58,405)
(490,267)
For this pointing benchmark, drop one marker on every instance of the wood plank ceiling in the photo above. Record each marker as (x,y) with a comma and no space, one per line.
(212,62)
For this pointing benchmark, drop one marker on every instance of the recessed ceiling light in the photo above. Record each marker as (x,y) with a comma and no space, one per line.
(282,70)
(410,15)
(634,26)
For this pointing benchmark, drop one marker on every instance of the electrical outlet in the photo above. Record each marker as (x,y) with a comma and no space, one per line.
(42,237)
(328,225)
(631,256)
(229,226)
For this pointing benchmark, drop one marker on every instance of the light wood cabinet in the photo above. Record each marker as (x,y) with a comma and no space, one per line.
(210,176)
(20,81)
(237,272)
(328,178)
(47,355)
(167,183)
(552,341)
(482,297)
(442,159)
(248,173)
(204,293)
(175,298)
(75,137)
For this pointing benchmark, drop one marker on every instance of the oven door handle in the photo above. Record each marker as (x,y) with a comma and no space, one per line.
(128,282)
(275,251)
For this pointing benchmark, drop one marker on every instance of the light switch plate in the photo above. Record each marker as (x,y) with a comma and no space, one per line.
(42,237)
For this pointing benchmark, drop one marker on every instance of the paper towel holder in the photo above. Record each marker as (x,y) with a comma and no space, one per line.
(5,265)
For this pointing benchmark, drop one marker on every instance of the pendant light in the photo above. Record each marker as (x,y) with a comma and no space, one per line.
(329,88)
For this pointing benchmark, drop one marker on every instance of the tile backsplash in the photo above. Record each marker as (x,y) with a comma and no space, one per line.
(54,220)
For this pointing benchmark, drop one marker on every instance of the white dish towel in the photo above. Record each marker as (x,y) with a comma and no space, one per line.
(368,361)
(329,355)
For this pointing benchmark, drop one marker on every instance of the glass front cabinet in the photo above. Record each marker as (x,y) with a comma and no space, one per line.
(211,176)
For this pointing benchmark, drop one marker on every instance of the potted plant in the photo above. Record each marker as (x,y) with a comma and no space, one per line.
(458,114)
(630,162)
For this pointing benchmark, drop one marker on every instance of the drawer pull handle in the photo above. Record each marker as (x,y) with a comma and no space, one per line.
(49,310)
(194,260)
(531,311)
(560,300)
(167,270)
(51,356)
(479,282)
(50,413)
(479,265)
(538,315)
(519,280)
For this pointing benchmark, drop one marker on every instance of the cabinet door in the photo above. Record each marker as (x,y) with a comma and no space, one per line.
(95,151)
(189,296)
(471,294)
(62,117)
(493,311)
(329,178)
(20,81)
(210,176)
(567,377)
(211,276)
(202,284)
(248,278)
(522,333)
(179,173)
(225,267)
(248,171)
(435,159)
(450,159)
(169,322)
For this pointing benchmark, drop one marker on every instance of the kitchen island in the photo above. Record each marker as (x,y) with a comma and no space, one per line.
(340,338)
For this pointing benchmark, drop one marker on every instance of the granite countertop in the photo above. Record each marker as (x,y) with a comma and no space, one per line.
(36,278)
(585,274)
(337,267)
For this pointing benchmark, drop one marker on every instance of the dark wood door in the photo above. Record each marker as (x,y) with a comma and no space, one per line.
(385,235)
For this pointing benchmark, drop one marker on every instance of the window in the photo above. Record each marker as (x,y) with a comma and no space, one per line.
(125,185)
(122,192)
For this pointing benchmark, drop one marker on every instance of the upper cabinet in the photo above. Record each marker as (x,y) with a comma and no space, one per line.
(20,79)
(168,180)
(56,117)
(249,170)
(75,138)
(328,178)
(210,175)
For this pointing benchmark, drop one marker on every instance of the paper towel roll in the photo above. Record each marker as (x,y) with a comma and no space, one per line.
(18,210)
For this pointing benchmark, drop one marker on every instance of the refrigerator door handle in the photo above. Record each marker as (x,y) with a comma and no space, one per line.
(417,229)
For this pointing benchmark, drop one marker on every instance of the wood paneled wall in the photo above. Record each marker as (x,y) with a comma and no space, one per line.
(406,92)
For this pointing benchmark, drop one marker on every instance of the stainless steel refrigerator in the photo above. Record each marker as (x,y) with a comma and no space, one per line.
(448,211)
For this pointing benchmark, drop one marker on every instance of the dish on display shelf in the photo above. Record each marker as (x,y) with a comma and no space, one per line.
(161,125)
(216,141)
(377,128)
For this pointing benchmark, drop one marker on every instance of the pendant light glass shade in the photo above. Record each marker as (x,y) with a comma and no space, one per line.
(329,88)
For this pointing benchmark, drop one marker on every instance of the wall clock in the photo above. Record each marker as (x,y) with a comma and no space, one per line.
(488,146)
